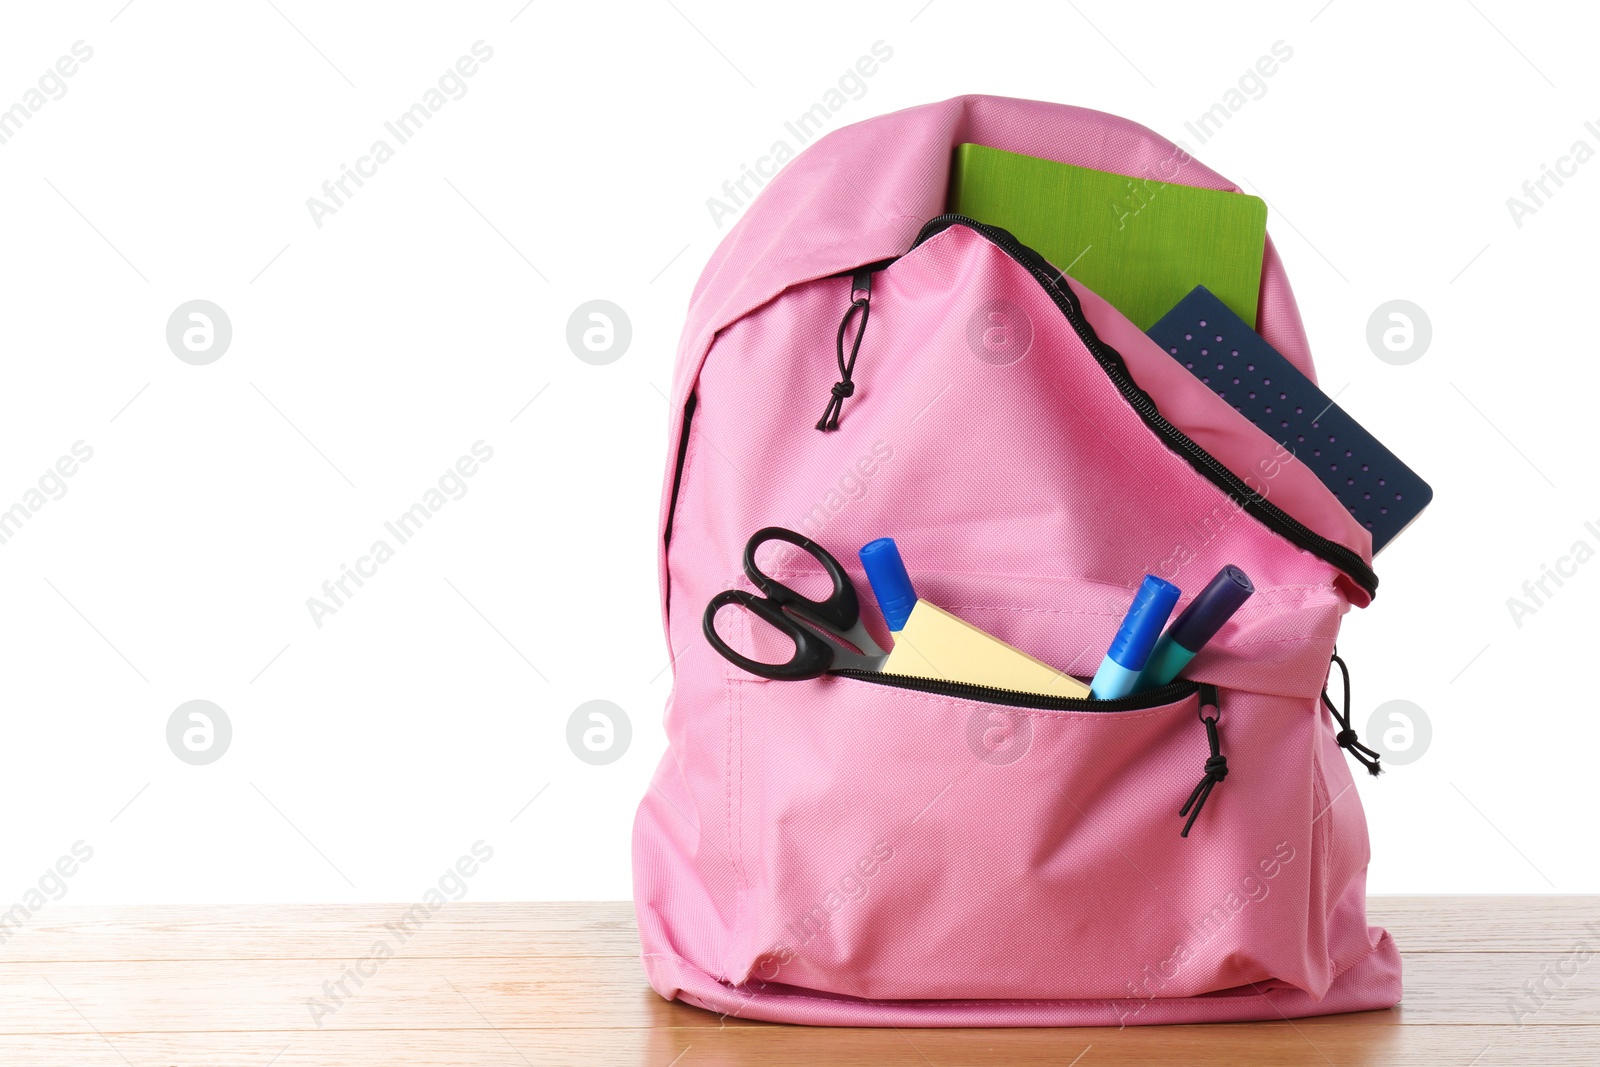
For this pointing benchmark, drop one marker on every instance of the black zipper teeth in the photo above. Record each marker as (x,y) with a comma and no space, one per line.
(1150,698)
(872,268)
(677,471)
(1111,361)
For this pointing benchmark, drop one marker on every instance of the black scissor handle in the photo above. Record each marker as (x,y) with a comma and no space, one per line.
(841,610)
(812,655)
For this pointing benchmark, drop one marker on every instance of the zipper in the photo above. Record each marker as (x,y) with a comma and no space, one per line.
(1216,767)
(1150,698)
(677,470)
(1347,737)
(1111,361)
(1209,711)
(844,388)
(677,483)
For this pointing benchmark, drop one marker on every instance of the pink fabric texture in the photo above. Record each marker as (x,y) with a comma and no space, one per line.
(841,852)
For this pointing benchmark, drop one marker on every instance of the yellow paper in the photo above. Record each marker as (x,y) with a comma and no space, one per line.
(936,644)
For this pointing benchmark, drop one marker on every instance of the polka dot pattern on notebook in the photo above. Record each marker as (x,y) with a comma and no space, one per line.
(1241,368)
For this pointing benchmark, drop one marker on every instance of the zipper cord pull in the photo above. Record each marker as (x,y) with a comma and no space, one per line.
(861,284)
(1216,763)
(1346,736)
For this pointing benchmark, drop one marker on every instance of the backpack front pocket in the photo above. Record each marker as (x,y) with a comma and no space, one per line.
(903,844)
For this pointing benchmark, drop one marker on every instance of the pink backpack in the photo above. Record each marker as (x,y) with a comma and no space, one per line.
(870,851)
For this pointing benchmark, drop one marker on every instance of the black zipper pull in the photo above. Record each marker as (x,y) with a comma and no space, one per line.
(860,298)
(1216,763)
(1346,736)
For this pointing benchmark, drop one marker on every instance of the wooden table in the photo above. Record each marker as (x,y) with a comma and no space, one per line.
(517,984)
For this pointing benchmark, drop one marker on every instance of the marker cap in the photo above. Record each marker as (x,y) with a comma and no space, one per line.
(1142,625)
(891,584)
(1200,621)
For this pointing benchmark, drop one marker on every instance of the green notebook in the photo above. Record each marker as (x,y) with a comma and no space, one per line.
(1141,244)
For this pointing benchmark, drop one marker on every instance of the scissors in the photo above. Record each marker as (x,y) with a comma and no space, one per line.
(823,631)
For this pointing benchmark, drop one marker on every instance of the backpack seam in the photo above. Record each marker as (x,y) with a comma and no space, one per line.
(691,452)
(819,995)
(734,835)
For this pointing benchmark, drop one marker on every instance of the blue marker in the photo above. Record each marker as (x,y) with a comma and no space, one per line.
(1130,649)
(891,584)
(1197,624)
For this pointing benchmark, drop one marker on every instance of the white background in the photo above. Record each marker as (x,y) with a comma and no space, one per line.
(428,311)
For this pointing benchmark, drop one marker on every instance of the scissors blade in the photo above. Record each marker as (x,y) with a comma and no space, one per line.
(870,657)
(857,635)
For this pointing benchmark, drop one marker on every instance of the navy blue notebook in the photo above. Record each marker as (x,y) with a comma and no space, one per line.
(1370,481)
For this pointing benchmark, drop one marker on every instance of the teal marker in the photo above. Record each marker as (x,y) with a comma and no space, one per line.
(1197,624)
